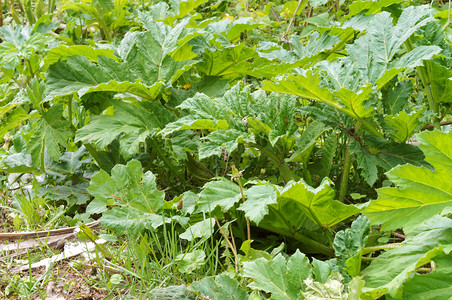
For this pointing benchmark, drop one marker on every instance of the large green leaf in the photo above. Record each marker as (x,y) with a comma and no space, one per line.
(204,113)
(307,86)
(367,162)
(390,154)
(79,75)
(133,195)
(441,83)
(281,277)
(434,285)
(258,198)
(370,6)
(223,193)
(182,8)
(155,47)
(227,61)
(355,102)
(277,112)
(198,230)
(307,140)
(315,45)
(13,119)
(21,43)
(310,86)
(147,65)
(376,152)
(51,132)
(374,51)
(130,123)
(221,287)
(348,244)
(69,162)
(328,151)
(63,52)
(420,193)
(404,125)
(189,262)
(173,291)
(191,122)
(396,97)
(223,139)
(388,272)
(230,115)
(318,203)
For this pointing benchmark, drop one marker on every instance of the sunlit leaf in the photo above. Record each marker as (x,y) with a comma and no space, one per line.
(281,277)
(420,193)
(220,287)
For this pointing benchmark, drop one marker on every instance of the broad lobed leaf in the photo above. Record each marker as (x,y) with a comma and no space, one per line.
(421,193)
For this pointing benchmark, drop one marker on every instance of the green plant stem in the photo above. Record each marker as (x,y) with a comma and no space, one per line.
(368,250)
(425,74)
(51,8)
(345,173)
(424,270)
(248,229)
(106,34)
(365,258)
(31,69)
(69,109)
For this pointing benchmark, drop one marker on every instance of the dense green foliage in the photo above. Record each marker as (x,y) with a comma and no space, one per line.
(280,147)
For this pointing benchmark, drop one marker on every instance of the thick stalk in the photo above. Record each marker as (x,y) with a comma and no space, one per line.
(31,69)
(425,74)
(248,229)
(368,250)
(69,109)
(105,29)
(345,173)
(433,105)
(51,7)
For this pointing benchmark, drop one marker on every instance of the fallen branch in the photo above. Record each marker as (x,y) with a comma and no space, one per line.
(55,242)
(12,236)
(67,253)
